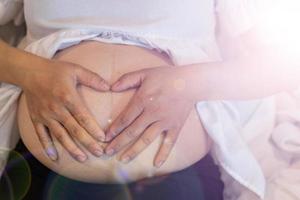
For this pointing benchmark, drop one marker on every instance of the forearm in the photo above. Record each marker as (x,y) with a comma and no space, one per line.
(243,78)
(14,63)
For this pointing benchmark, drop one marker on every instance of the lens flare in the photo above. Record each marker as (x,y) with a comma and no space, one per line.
(16,178)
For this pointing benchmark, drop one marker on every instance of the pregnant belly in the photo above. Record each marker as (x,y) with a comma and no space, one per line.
(111,61)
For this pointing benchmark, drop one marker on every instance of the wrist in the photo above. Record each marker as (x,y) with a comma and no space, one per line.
(194,81)
(21,65)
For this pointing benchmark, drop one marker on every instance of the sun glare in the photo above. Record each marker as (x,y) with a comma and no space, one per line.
(280,24)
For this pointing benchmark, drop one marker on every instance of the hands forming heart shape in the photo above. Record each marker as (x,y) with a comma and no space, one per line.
(160,105)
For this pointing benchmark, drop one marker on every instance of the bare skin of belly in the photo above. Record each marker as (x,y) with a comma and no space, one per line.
(110,61)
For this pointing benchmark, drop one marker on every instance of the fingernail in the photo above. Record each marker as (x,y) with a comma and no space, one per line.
(81,158)
(158,164)
(52,153)
(98,152)
(125,159)
(110,152)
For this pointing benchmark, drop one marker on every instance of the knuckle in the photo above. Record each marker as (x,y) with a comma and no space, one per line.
(65,98)
(53,108)
(76,132)
(65,120)
(84,120)
(94,132)
(123,121)
(73,150)
(130,134)
(91,145)
(132,153)
(60,137)
(89,126)
(146,140)
(43,140)
(43,115)
(34,119)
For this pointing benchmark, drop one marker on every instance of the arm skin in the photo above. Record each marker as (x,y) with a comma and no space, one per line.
(262,71)
(50,88)
(9,65)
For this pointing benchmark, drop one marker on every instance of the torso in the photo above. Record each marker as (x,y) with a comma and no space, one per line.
(111,61)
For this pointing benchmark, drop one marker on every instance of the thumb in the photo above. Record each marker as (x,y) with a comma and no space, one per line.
(92,80)
(128,81)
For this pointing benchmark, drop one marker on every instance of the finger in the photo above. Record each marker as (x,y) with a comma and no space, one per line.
(129,134)
(64,139)
(92,80)
(166,147)
(85,118)
(142,143)
(46,141)
(127,116)
(129,81)
(82,136)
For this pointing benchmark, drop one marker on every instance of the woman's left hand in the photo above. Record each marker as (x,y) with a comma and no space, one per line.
(160,105)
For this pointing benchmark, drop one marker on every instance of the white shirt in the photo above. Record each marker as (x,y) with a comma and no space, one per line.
(173,27)
(186,31)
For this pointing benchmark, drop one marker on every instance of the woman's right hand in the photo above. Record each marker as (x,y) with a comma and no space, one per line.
(56,107)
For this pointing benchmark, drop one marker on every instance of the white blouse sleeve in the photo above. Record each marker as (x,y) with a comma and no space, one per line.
(9,94)
(237,16)
(9,9)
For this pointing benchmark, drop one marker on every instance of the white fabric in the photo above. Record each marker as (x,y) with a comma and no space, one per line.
(8,130)
(9,9)
(186,32)
(270,127)
(183,35)
(225,122)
